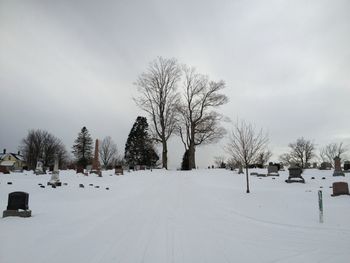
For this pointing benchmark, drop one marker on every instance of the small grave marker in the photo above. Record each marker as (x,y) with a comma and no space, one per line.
(340,188)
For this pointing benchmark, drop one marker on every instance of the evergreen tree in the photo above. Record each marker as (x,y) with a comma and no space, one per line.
(82,149)
(139,148)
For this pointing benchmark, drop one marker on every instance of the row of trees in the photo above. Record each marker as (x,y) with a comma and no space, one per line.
(303,151)
(40,145)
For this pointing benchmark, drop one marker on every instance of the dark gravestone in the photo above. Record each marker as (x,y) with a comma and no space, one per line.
(42,186)
(347,166)
(295,175)
(118,170)
(80,169)
(272,170)
(325,166)
(9,182)
(340,188)
(17,201)
(81,185)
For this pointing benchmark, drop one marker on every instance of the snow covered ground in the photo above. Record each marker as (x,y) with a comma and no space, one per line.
(174,216)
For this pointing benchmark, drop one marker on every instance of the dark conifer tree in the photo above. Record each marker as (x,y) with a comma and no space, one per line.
(139,148)
(82,149)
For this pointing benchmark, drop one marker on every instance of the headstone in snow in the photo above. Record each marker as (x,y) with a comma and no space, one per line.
(347,166)
(340,188)
(118,170)
(55,179)
(39,169)
(272,170)
(325,166)
(18,205)
(80,169)
(337,167)
(295,175)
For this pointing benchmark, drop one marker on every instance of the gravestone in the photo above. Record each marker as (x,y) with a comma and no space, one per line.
(337,167)
(80,169)
(281,167)
(240,169)
(272,170)
(96,167)
(18,205)
(347,166)
(295,175)
(39,169)
(340,188)
(325,166)
(118,170)
(55,179)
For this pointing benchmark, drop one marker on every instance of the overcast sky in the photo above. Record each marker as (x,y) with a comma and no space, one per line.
(69,64)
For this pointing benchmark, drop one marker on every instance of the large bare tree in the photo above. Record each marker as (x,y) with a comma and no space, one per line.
(42,145)
(198,123)
(301,152)
(108,152)
(159,98)
(332,150)
(245,144)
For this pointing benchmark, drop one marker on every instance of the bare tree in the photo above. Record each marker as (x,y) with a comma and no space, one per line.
(198,123)
(245,144)
(301,152)
(332,150)
(41,145)
(108,152)
(286,159)
(263,158)
(159,98)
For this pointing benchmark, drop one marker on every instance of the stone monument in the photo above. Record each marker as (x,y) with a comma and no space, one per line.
(325,166)
(340,188)
(118,170)
(55,179)
(96,167)
(295,175)
(18,205)
(39,168)
(272,170)
(347,166)
(337,167)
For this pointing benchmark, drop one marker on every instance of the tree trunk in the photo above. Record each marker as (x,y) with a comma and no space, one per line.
(191,157)
(246,171)
(165,155)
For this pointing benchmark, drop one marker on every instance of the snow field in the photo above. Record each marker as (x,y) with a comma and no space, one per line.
(175,216)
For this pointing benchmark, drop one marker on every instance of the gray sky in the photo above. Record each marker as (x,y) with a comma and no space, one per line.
(68,64)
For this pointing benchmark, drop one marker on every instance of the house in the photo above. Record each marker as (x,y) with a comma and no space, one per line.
(12,161)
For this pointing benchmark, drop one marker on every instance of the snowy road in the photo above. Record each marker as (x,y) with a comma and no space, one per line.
(199,216)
